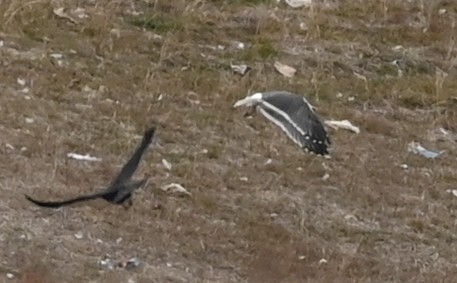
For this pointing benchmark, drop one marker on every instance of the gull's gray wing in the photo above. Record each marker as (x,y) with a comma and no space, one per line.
(298,121)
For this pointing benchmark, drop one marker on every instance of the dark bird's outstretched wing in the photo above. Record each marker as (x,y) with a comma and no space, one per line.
(117,195)
(130,167)
(57,204)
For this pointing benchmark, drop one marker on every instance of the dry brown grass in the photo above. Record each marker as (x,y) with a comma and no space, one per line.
(246,221)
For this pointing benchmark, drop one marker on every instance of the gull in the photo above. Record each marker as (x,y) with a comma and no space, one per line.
(294,115)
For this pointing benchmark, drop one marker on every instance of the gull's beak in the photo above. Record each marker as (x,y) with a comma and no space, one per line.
(243,102)
(239,103)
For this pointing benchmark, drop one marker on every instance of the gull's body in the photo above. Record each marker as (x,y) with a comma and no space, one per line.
(294,115)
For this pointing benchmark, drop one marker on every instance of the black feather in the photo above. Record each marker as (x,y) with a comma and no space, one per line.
(120,189)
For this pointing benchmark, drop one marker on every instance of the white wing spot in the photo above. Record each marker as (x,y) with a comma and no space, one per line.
(314,141)
(306,137)
(319,142)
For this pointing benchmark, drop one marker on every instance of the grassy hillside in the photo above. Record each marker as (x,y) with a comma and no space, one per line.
(90,76)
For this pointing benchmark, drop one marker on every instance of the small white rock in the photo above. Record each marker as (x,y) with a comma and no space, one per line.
(240,69)
(298,3)
(132,263)
(80,12)
(285,70)
(326,176)
(10,275)
(29,120)
(240,45)
(303,26)
(350,217)
(323,260)
(176,188)
(21,81)
(454,193)
(56,55)
(166,164)
(79,235)
(85,157)
(107,263)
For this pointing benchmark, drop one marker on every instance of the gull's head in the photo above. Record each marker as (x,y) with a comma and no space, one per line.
(250,100)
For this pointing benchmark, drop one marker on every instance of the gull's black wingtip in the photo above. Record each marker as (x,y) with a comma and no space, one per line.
(323,150)
(317,149)
(320,152)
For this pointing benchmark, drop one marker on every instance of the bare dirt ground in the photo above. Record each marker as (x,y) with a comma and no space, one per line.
(91,77)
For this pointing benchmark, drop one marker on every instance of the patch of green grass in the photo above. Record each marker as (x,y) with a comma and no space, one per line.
(387,70)
(412,101)
(262,49)
(410,92)
(156,23)
(265,50)
(244,2)
(35,20)
(177,157)
(215,151)
(205,201)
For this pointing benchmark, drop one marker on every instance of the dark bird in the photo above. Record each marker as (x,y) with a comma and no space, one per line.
(120,189)
(294,115)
